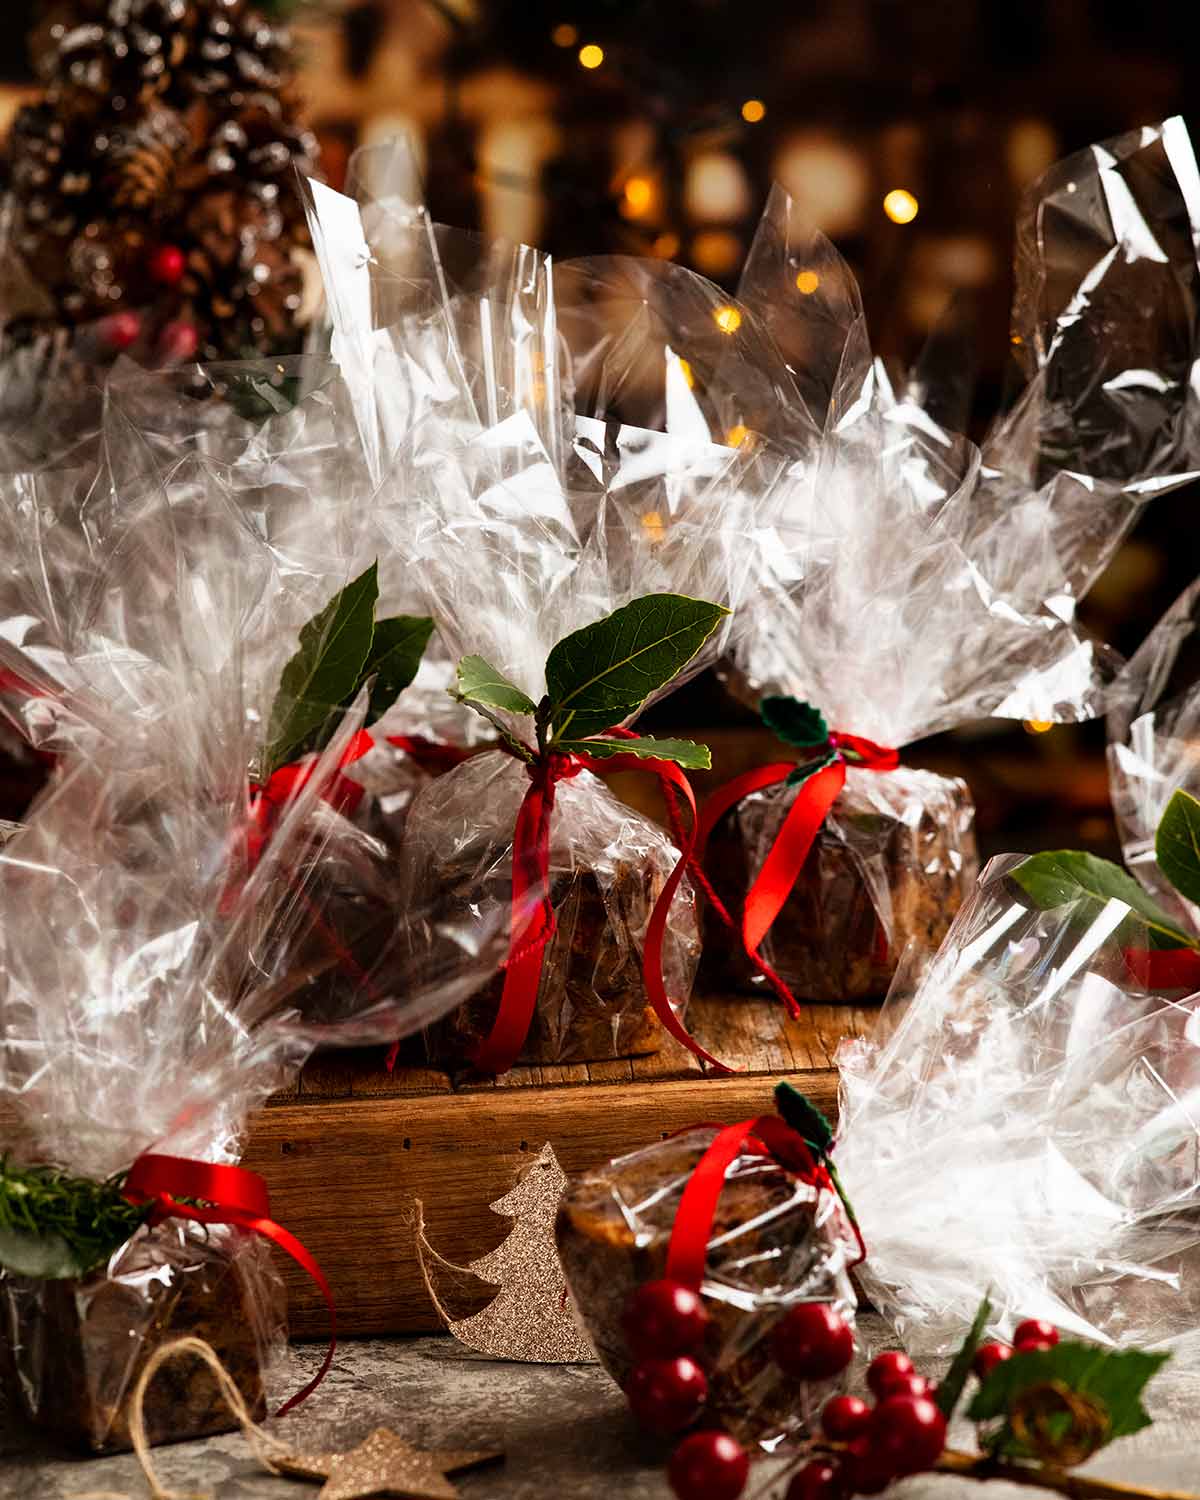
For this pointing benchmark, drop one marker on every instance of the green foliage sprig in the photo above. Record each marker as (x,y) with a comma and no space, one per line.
(53,1225)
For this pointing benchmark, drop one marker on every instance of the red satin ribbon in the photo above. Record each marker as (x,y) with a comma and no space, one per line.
(13,682)
(1164,968)
(533,917)
(433,756)
(238,1197)
(790,849)
(767,1135)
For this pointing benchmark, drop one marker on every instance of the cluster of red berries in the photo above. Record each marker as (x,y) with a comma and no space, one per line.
(1033,1336)
(179,339)
(665,1327)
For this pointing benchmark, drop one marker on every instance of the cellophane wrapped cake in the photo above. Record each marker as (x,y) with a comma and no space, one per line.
(922,581)
(776,1241)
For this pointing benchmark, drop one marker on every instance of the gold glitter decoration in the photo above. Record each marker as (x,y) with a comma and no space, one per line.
(386,1465)
(530,1317)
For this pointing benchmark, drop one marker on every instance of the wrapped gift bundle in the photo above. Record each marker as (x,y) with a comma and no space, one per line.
(747,1222)
(1023,1126)
(921,582)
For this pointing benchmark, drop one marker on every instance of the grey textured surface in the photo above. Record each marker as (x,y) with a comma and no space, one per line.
(564,1429)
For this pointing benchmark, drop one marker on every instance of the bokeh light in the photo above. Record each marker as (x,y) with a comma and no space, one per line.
(591,56)
(901,206)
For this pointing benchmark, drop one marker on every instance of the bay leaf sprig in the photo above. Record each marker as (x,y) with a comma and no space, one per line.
(341,649)
(598,676)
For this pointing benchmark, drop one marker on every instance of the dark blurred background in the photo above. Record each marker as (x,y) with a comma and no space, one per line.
(906,129)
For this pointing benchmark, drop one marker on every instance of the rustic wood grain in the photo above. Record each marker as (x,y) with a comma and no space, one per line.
(348,1155)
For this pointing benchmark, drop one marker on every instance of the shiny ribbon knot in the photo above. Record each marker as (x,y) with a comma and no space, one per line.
(792,844)
(766,1135)
(532,921)
(234,1196)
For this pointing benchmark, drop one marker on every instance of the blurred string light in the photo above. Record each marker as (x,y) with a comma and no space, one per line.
(565,35)
(807,282)
(736,436)
(1037,726)
(637,197)
(827,179)
(901,206)
(666,246)
(591,56)
(716,189)
(753,111)
(727,319)
(716,251)
(654,526)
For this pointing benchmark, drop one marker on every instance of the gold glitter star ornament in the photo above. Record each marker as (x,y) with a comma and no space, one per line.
(386,1466)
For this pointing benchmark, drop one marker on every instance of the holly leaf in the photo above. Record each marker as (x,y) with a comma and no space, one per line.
(480,682)
(794,722)
(599,675)
(324,673)
(1113,1379)
(1062,876)
(810,768)
(952,1385)
(1177,845)
(396,651)
(686,753)
(798,1111)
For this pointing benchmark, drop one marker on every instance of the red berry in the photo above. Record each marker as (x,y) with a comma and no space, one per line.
(844,1417)
(813,1342)
(667,1395)
(903,1385)
(1035,1332)
(908,1432)
(817,1480)
(891,1365)
(179,341)
(121,330)
(708,1466)
(1034,1346)
(988,1356)
(868,1471)
(664,1318)
(167,265)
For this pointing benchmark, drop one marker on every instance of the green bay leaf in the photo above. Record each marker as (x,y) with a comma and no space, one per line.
(480,682)
(598,676)
(1177,845)
(396,651)
(686,753)
(1063,876)
(323,674)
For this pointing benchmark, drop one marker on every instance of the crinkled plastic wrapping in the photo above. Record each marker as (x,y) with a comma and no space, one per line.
(1022,1124)
(1154,740)
(889,867)
(920,581)
(522,520)
(608,865)
(775,1242)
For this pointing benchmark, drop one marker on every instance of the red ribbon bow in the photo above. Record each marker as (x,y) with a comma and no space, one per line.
(532,916)
(238,1197)
(767,1135)
(787,855)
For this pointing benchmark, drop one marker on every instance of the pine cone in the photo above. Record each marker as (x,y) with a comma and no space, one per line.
(238,51)
(143,157)
(112,53)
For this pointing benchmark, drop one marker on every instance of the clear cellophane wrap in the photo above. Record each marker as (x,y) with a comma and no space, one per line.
(163,948)
(1154,741)
(522,517)
(1021,1124)
(921,581)
(776,1241)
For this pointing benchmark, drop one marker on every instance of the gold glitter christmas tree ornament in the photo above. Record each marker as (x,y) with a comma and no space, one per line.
(385,1465)
(530,1318)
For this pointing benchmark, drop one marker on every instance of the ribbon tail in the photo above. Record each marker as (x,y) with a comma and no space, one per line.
(786,856)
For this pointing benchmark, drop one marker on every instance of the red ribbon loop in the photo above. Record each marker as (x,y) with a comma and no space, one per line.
(433,756)
(793,843)
(1164,968)
(766,1135)
(532,929)
(238,1197)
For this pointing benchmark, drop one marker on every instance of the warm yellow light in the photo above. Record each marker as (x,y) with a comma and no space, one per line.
(1037,726)
(900,206)
(654,526)
(807,282)
(753,111)
(638,195)
(727,319)
(591,56)
(666,246)
(565,35)
(685,370)
(716,251)
(736,436)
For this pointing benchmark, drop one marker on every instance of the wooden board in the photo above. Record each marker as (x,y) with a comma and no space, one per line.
(350,1152)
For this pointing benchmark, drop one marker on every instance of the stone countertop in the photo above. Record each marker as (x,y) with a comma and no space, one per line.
(564,1428)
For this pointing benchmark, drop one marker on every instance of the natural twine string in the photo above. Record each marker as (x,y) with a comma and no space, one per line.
(425,1253)
(264,1447)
